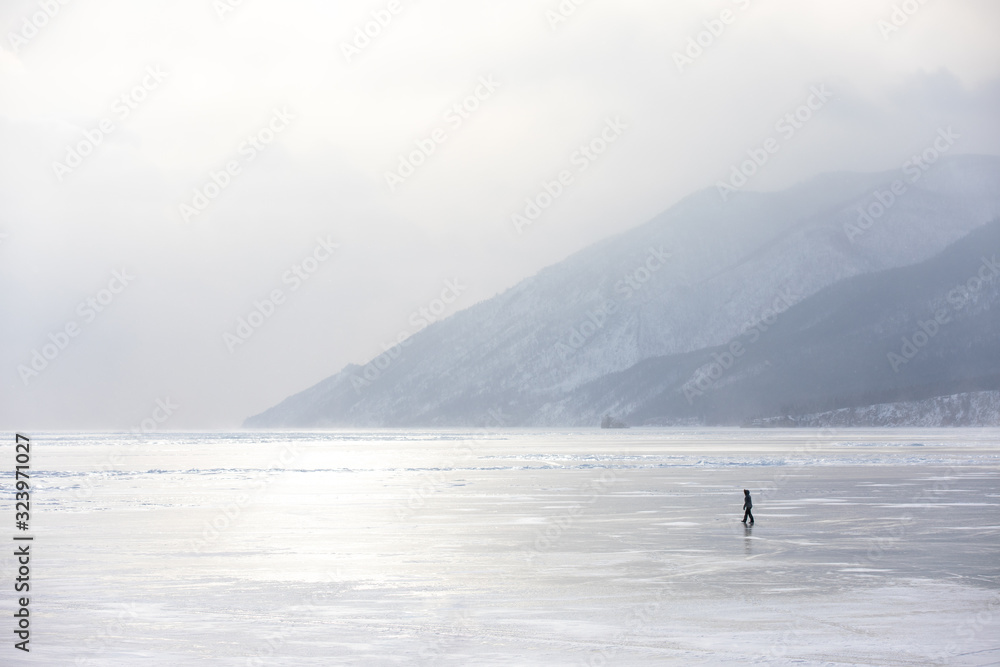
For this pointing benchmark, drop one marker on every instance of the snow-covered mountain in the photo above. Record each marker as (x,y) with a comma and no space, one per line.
(969,409)
(702,274)
(901,335)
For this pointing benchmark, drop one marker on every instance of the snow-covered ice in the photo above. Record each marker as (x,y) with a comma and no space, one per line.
(527,547)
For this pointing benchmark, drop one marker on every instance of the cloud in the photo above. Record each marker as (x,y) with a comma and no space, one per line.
(325,174)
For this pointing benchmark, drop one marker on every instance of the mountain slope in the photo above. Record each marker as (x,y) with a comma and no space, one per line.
(911,333)
(622,301)
(969,409)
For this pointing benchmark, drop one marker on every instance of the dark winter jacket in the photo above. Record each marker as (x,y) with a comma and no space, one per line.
(747,503)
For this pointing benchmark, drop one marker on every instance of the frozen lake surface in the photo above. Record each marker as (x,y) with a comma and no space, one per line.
(527,547)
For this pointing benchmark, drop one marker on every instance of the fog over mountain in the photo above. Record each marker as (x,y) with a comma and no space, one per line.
(260,195)
(806,290)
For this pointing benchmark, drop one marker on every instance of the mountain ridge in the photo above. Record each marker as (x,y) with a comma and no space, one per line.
(527,349)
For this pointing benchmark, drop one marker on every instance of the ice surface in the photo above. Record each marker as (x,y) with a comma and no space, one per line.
(525,547)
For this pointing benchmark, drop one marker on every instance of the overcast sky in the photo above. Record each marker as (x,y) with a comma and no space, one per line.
(113,113)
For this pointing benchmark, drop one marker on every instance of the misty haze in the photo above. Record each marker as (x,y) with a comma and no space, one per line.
(470,333)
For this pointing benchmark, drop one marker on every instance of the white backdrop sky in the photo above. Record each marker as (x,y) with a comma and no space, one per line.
(225,72)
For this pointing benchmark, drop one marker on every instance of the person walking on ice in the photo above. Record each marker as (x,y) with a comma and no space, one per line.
(747,505)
